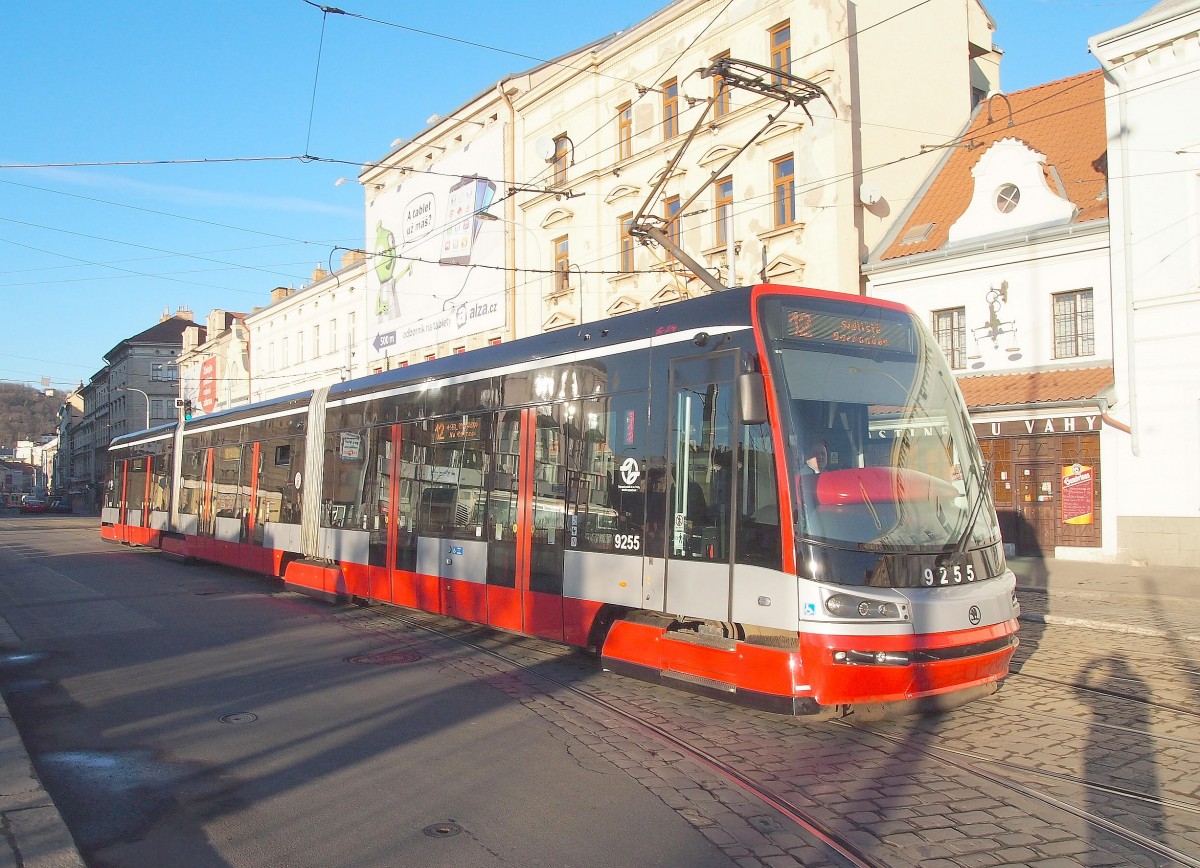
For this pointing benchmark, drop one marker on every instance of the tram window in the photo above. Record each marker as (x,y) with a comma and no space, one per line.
(349,462)
(412,456)
(758,528)
(227,470)
(606,483)
(112,494)
(456,463)
(702,444)
(278,498)
(192,481)
(135,483)
(469,397)
(160,485)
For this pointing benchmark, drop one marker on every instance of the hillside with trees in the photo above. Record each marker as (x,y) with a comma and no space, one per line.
(26,414)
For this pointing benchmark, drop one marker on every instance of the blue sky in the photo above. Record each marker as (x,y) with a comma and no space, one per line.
(90,255)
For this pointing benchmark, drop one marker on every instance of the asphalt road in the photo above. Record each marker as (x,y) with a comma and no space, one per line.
(187,715)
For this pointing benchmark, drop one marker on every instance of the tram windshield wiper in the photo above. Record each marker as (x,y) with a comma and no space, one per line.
(973,515)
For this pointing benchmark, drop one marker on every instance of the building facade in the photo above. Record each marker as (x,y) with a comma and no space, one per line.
(1004,252)
(1152,74)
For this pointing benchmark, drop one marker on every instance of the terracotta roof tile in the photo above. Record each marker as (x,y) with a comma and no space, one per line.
(1031,387)
(1063,120)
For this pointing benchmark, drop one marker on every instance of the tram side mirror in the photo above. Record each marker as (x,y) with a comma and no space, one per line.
(752,398)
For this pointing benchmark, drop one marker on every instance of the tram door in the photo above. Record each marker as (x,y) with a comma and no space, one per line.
(698,491)
(526,521)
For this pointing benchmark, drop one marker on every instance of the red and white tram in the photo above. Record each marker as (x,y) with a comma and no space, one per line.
(769,494)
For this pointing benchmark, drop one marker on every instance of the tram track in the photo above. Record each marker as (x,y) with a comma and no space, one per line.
(839,848)
(971,763)
(1076,684)
(1016,711)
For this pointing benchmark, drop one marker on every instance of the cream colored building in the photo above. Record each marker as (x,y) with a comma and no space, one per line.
(305,338)
(507,217)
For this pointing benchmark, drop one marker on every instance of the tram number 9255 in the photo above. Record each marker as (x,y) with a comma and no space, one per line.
(628,542)
(948,574)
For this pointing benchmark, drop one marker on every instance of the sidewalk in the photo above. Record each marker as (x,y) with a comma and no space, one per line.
(1145,601)
(1159,602)
(34,831)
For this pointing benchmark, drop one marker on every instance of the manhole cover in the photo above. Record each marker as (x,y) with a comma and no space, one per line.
(386,658)
(239,717)
(442,830)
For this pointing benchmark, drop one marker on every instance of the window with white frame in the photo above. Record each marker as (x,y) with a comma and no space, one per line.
(1074,324)
(950,329)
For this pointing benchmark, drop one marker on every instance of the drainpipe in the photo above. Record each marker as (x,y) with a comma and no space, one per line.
(1127,253)
(510,212)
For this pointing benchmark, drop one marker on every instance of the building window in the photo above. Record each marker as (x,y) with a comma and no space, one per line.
(950,329)
(559,166)
(494,341)
(1074,324)
(562,264)
(783,182)
(164,373)
(724,208)
(157,409)
(316,341)
(670,94)
(459,350)
(350,335)
(626,243)
(781,48)
(333,336)
(430,357)
(300,347)
(674,229)
(624,130)
(720,94)
(283,353)
(1007,198)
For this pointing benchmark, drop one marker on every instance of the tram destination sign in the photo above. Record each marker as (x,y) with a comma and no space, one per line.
(859,330)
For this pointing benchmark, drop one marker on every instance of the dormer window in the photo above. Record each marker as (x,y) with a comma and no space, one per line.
(1007,198)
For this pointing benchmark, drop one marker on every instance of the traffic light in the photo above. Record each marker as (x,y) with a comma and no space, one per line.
(187,410)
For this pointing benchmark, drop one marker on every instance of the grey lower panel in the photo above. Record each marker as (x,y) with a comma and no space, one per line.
(465,560)
(344,545)
(698,589)
(133,517)
(282,537)
(228,529)
(160,520)
(189,524)
(110,515)
(604,578)
(767,598)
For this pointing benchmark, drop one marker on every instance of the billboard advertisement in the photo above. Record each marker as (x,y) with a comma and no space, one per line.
(435,268)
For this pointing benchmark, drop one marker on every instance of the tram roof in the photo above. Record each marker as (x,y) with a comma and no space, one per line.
(730,307)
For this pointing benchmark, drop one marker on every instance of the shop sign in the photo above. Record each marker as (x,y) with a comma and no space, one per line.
(1037,426)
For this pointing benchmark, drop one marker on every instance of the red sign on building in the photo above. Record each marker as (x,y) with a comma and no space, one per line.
(208,384)
(1077,494)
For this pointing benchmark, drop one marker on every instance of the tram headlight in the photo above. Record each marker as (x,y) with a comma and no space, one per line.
(850,606)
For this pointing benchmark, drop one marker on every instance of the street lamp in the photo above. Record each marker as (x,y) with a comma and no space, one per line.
(144,395)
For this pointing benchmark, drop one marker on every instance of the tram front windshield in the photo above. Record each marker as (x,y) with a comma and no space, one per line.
(882,456)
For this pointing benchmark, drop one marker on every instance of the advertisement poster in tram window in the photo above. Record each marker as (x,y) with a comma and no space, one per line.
(436,271)
(1077,494)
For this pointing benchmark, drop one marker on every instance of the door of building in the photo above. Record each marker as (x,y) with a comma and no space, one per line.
(1036,508)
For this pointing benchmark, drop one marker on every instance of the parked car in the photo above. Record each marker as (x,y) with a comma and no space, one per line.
(59,505)
(33,504)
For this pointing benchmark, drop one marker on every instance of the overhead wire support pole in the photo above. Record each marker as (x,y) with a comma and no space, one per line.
(742,75)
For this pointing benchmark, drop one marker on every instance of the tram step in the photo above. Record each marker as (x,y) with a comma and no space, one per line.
(700,680)
(694,638)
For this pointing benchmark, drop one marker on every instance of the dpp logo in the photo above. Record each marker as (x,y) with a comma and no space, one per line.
(630,471)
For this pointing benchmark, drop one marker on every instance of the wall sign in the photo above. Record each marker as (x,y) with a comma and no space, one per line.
(1078,494)
(1038,426)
